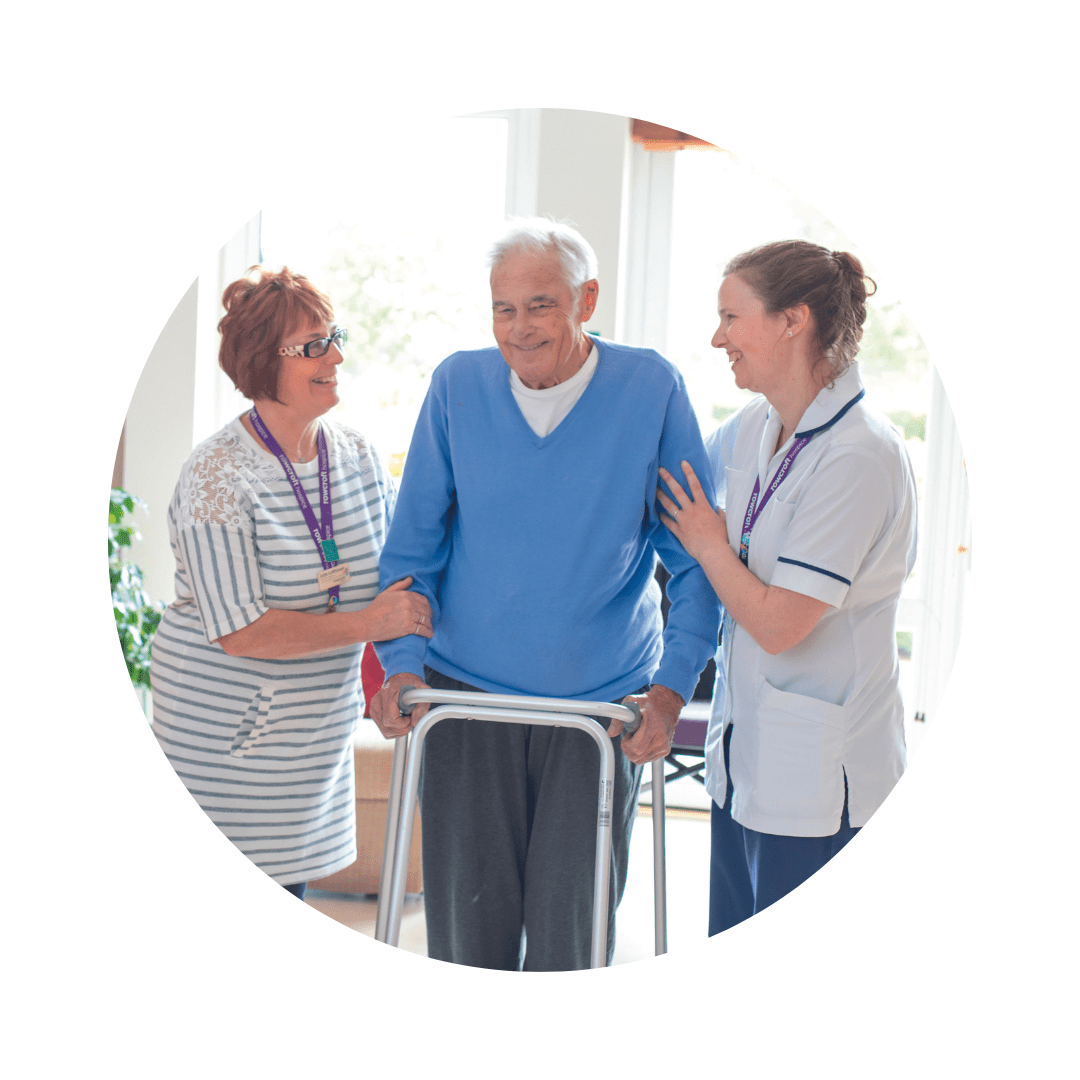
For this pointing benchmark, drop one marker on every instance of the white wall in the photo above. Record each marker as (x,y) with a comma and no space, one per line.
(217,401)
(157,439)
(571,164)
(181,398)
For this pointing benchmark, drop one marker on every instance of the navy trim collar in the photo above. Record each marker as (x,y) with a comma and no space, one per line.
(809,434)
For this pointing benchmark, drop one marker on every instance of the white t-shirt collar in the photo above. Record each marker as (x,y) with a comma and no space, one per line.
(577,382)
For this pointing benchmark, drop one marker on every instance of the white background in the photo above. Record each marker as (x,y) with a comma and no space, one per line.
(138,138)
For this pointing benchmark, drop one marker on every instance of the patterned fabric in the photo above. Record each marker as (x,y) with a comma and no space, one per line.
(265,746)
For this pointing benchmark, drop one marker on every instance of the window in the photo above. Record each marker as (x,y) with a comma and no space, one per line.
(703,206)
(403,263)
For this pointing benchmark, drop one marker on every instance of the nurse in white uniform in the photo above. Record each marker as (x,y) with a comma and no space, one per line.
(808,552)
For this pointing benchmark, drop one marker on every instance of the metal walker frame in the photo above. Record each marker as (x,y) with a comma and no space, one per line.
(514,709)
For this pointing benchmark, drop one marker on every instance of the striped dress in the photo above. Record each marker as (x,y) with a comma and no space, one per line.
(265,746)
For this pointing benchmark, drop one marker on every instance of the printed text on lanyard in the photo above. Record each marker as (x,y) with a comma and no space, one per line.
(754,508)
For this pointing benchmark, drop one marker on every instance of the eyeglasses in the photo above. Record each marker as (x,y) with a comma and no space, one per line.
(318,347)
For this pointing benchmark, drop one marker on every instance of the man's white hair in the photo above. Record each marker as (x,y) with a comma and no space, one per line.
(544,235)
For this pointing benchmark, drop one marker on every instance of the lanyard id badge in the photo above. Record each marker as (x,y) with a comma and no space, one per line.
(334,573)
(754,508)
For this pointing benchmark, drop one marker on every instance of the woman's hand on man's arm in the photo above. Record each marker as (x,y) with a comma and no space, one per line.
(396,612)
(692,520)
(777,619)
(284,635)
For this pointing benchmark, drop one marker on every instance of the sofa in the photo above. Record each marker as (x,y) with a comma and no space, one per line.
(373,757)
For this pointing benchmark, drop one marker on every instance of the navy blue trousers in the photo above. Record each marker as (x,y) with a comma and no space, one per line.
(751,870)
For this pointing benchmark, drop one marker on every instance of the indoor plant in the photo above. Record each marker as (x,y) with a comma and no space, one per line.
(137,616)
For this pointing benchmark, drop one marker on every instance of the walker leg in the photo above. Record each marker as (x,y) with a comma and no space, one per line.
(408,791)
(392,892)
(393,825)
(659,856)
(602,866)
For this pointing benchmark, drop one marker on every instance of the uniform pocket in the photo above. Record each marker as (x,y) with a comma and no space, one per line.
(788,760)
(768,538)
(770,529)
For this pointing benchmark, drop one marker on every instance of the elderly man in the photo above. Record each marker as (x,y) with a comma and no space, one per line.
(527,516)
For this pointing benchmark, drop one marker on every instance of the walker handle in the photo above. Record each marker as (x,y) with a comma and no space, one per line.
(630,726)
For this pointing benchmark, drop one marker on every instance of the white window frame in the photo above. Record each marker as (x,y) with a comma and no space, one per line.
(935,616)
(645,251)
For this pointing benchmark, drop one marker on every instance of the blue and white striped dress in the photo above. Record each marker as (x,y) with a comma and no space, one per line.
(265,746)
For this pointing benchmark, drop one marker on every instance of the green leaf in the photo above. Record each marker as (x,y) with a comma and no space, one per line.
(137,616)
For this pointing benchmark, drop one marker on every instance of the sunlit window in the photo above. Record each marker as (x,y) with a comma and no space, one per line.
(403,263)
(722,206)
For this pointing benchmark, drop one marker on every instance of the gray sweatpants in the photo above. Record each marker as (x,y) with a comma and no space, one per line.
(509,841)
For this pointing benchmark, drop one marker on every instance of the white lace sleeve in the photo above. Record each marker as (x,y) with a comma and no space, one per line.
(213,489)
(216,534)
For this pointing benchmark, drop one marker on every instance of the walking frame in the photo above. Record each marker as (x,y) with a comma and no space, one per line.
(514,709)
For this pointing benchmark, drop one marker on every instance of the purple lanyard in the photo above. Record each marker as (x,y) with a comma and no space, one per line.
(754,508)
(324,536)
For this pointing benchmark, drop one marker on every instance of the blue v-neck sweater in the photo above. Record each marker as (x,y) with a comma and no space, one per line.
(537,554)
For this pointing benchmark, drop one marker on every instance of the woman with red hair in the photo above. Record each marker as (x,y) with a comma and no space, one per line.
(276,524)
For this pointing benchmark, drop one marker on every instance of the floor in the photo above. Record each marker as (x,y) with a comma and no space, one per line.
(687,859)
(687,864)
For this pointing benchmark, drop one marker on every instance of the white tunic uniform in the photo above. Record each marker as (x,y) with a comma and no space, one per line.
(841,528)
(265,746)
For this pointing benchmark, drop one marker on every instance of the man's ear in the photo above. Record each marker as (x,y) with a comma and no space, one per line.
(589,292)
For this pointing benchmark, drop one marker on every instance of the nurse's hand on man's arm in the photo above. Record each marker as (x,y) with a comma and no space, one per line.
(777,619)
(660,709)
(694,522)
(384,706)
